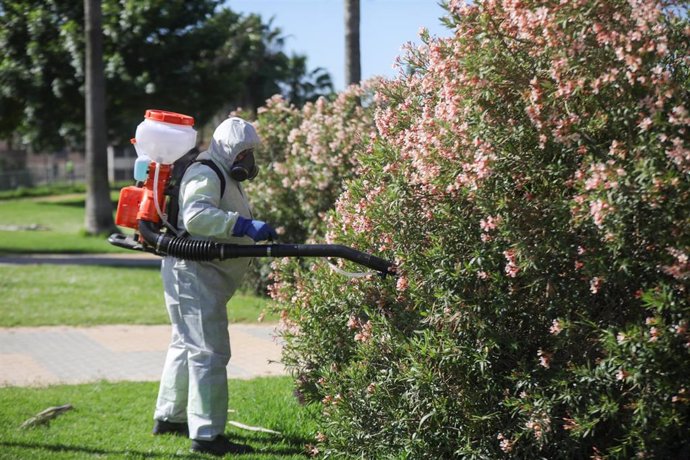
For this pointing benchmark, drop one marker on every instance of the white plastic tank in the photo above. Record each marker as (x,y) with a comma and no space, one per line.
(164,136)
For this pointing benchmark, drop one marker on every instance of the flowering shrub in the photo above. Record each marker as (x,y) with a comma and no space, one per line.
(530,178)
(309,153)
(306,155)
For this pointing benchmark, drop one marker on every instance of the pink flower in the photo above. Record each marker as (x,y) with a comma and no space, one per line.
(539,424)
(645,124)
(679,154)
(599,209)
(679,116)
(654,334)
(505,444)
(512,270)
(570,424)
(680,269)
(364,335)
(556,327)
(402,284)
(544,358)
(682,396)
(622,374)
(662,49)
(617,149)
(511,267)
(595,284)
(353,322)
(542,141)
(490,223)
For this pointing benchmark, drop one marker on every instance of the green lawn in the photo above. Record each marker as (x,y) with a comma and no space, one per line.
(42,295)
(57,222)
(114,420)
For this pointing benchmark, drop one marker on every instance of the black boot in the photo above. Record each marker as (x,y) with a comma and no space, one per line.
(176,429)
(220,445)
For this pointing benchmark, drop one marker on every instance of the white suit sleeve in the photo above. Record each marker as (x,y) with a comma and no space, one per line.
(199,201)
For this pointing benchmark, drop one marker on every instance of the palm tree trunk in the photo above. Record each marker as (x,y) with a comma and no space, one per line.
(353,71)
(99,210)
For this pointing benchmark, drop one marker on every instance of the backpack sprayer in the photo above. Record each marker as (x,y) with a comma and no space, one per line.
(161,139)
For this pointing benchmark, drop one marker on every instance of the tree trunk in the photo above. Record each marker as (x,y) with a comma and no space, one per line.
(99,209)
(353,71)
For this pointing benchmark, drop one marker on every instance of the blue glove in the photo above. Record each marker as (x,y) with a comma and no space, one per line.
(254,229)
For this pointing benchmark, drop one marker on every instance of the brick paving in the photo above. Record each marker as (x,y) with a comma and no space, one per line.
(40,356)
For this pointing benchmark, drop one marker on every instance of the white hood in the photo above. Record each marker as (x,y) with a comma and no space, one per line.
(231,137)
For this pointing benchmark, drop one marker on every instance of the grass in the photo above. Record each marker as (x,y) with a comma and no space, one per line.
(114,420)
(43,190)
(57,222)
(45,295)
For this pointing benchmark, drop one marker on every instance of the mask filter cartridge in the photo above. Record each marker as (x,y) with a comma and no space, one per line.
(245,168)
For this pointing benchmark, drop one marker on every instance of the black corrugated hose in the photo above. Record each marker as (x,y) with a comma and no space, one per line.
(202,250)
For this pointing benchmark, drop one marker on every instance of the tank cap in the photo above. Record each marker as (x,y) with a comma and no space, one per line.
(169,117)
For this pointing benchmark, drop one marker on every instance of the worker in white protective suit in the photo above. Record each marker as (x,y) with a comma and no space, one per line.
(193,395)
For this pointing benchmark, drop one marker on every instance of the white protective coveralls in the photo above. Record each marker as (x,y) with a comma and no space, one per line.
(194,385)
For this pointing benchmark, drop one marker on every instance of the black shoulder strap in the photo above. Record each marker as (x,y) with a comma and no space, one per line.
(217,170)
(174,188)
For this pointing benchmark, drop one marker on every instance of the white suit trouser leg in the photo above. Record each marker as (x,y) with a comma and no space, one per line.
(172,395)
(194,384)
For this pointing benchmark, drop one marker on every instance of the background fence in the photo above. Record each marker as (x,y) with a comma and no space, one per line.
(42,175)
(47,169)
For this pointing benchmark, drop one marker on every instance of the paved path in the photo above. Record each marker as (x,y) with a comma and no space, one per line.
(50,355)
(39,356)
(131,259)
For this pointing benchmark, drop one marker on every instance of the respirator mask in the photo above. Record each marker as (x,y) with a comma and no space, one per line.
(244,167)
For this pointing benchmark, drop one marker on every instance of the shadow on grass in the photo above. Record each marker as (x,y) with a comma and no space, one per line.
(71,202)
(275,446)
(76,202)
(261,447)
(89,450)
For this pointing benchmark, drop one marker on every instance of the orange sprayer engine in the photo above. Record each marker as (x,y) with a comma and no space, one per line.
(138,203)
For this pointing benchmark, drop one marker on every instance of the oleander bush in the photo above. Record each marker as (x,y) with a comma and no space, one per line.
(306,156)
(529,176)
